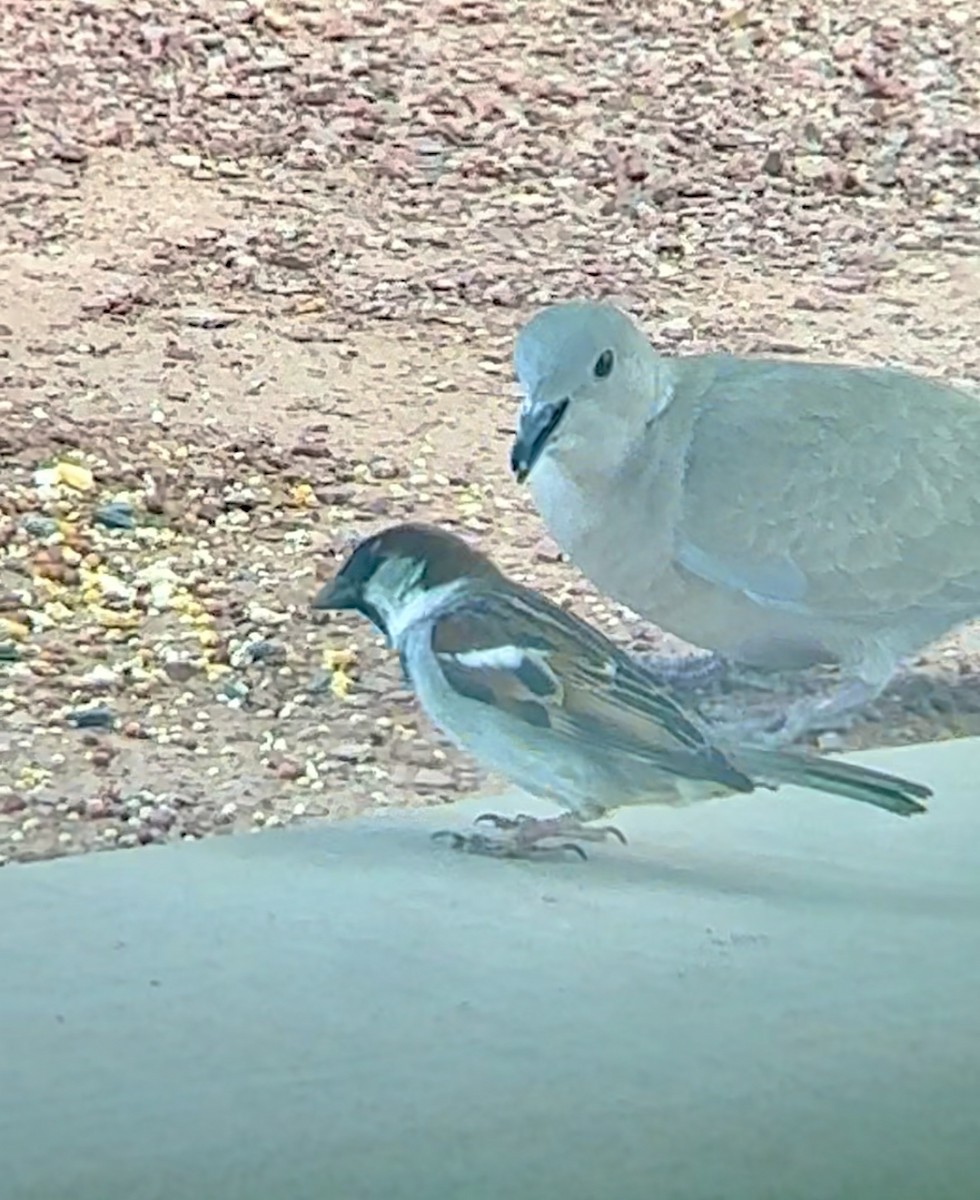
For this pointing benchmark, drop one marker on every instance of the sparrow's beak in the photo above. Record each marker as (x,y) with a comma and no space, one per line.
(537,424)
(341,593)
(335,593)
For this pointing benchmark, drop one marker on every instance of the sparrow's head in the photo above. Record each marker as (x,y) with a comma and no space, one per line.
(398,575)
(583,368)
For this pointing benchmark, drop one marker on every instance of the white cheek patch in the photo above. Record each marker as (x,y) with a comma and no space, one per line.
(403,604)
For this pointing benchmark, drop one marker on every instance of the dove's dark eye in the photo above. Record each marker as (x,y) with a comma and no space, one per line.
(603,364)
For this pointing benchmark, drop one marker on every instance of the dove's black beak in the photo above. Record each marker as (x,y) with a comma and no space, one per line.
(536,426)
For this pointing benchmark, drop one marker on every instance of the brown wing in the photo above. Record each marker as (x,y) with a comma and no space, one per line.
(527,657)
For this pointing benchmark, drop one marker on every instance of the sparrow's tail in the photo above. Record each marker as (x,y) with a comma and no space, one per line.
(898,795)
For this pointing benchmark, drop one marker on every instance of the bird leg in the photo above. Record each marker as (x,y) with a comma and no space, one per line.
(836,709)
(530,837)
(686,671)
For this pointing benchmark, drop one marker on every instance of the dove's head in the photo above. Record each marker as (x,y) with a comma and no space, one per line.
(589,382)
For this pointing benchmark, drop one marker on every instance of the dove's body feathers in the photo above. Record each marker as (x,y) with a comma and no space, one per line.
(779,513)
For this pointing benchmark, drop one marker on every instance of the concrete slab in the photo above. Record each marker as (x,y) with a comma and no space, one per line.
(766,997)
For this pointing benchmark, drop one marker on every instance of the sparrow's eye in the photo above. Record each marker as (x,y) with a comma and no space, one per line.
(603,364)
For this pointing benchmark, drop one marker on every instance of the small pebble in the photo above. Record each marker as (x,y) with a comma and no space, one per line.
(99,717)
(11,801)
(115,515)
(39,526)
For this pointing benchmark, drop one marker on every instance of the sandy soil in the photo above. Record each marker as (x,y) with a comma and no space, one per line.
(262,267)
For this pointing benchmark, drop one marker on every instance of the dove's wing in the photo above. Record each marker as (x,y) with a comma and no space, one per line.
(838,491)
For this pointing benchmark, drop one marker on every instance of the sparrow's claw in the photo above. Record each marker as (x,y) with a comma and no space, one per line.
(530,837)
(479,843)
(537,828)
(499,821)
(605,831)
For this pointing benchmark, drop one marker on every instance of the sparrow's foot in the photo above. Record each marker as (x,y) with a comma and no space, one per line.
(530,837)
(491,847)
(535,829)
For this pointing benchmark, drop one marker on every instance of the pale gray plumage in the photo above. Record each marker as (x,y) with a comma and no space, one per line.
(545,699)
(778,513)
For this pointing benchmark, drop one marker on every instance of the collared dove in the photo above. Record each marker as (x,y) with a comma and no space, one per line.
(780,514)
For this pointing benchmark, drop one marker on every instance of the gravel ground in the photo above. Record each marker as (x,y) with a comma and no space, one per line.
(263,265)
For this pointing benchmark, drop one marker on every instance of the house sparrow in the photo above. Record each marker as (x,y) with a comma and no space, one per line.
(780,514)
(541,697)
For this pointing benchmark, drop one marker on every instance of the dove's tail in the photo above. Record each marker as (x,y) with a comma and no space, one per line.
(892,792)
